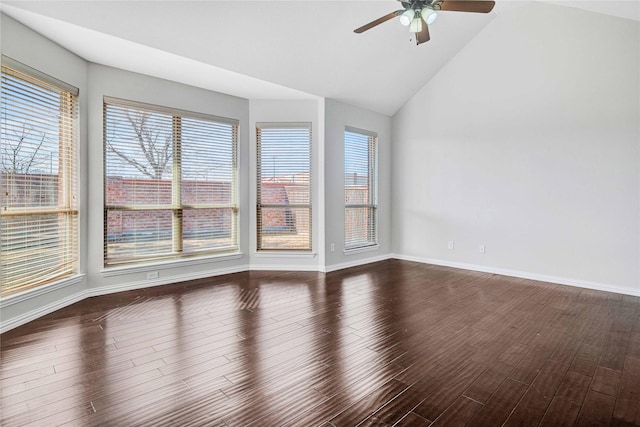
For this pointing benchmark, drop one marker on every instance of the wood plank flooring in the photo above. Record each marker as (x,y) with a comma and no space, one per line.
(393,343)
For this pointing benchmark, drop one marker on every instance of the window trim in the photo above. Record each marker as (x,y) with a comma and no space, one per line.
(372,184)
(169,110)
(165,264)
(176,206)
(39,75)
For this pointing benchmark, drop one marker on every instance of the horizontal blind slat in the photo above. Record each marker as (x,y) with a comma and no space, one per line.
(360,178)
(39,221)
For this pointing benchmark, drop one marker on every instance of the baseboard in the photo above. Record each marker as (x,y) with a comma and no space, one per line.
(27,317)
(283,267)
(356,263)
(522,275)
(141,284)
(65,282)
(21,319)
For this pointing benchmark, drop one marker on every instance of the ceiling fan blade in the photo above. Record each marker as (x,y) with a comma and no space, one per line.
(376,22)
(423,36)
(479,6)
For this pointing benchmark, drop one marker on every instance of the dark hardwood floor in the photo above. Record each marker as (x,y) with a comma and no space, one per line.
(390,343)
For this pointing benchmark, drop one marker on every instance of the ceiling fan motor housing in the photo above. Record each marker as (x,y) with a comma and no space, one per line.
(421,4)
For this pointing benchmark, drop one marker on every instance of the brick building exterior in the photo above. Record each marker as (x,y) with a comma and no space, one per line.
(43,190)
(157,193)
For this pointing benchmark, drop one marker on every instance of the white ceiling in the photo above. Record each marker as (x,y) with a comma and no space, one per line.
(270,49)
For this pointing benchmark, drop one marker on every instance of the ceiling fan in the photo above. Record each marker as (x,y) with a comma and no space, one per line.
(418,14)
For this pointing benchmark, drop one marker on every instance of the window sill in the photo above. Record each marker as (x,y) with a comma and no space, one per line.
(41,290)
(361,249)
(284,254)
(169,263)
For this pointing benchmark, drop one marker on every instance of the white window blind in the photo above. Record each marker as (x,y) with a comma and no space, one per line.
(38,167)
(360,189)
(284,187)
(170,183)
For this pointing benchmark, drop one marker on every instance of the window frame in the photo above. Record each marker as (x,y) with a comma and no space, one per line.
(177,207)
(260,206)
(67,203)
(371,204)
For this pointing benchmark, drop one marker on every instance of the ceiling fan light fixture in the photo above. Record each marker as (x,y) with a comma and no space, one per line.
(407,17)
(416,25)
(418,14)
(429,15)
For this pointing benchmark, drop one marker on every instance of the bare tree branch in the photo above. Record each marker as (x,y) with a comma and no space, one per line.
(30,163)
(18,159)
(133,162)
(156,155)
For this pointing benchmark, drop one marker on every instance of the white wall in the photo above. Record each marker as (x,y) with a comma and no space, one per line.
(30,48)
(337,116)
(528,142)
(107,81)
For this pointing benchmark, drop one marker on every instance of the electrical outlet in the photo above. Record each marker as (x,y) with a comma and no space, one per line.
(451,244)
(333,247)
(482,249)
(152,275)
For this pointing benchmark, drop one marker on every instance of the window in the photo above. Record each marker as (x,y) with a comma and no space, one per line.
(360,189)
(284,187)
(39,199)
(170,184)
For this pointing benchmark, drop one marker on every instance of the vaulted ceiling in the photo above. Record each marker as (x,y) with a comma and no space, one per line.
(271,49)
